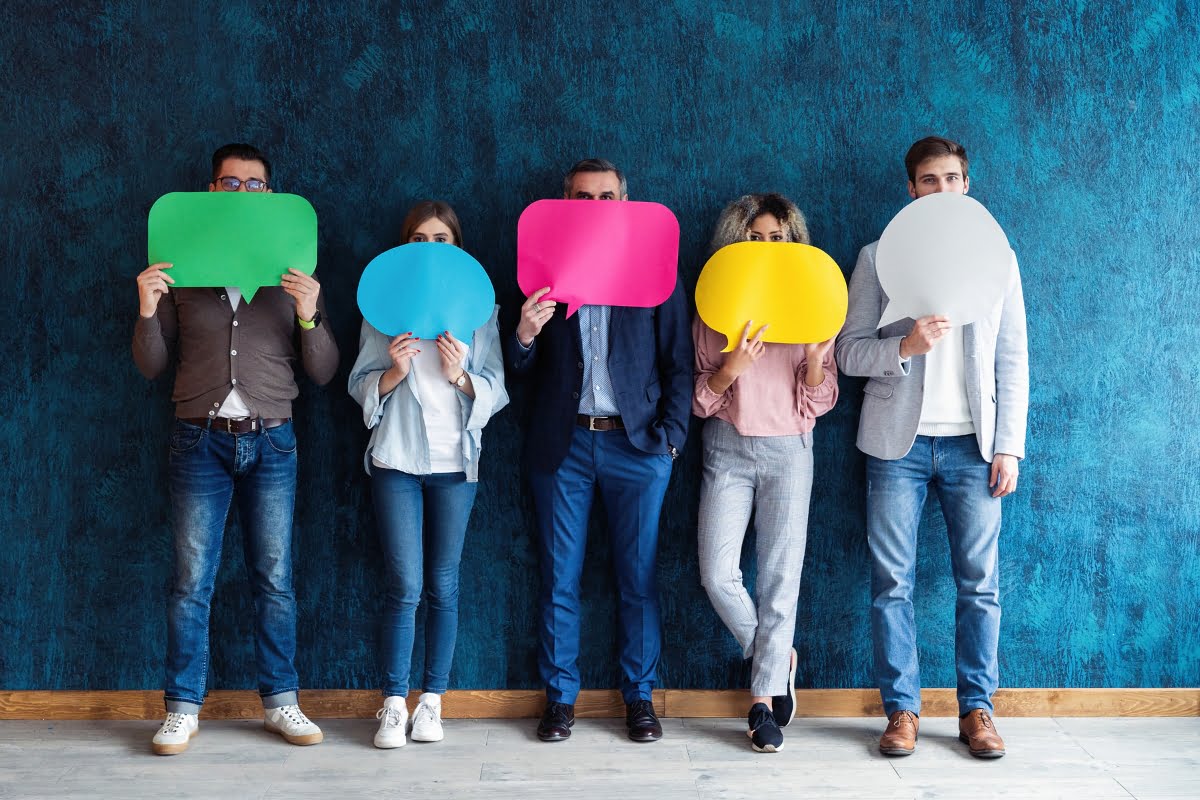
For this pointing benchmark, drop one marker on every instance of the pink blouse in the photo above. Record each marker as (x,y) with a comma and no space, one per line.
(768,399)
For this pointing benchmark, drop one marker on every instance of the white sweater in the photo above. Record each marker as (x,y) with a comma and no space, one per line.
(944,409)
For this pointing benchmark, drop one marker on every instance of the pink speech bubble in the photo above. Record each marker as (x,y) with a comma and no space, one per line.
(598,252)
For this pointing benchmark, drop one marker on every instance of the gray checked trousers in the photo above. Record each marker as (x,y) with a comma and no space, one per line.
(770,476)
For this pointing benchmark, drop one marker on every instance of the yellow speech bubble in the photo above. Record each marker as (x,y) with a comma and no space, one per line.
(795,289)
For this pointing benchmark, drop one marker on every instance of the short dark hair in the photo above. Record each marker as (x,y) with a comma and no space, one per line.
(593,165)
(428,209)
(246,152)
(933,147)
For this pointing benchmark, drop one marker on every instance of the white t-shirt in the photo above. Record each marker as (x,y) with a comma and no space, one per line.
(945,410)
(234,406)
(440,410)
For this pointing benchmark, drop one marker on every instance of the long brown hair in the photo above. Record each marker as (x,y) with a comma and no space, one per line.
(428,209)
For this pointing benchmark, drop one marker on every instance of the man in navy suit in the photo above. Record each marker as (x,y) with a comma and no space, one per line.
(612,395)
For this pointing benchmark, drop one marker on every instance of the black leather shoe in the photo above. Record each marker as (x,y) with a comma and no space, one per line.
(642,723)
(557,719)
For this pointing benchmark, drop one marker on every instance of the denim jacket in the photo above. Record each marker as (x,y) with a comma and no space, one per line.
(396,423)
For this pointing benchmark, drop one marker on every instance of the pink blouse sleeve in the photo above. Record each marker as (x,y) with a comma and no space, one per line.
(706,402)
(813,401)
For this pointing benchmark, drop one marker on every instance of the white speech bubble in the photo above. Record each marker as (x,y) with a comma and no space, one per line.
(943,254)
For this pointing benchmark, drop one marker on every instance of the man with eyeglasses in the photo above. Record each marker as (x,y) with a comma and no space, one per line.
(613,396)
(232,441)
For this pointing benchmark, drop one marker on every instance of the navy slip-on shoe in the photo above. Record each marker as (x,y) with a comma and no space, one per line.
(783,706)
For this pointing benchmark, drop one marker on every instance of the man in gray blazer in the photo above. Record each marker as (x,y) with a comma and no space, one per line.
(945,407)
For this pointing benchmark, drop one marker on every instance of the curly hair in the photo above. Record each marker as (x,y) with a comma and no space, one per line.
(739,215)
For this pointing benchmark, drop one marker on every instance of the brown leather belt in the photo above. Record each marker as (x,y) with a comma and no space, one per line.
(600,423)
(235,426)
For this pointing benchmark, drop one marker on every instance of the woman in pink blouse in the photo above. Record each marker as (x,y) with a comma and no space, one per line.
(761,402)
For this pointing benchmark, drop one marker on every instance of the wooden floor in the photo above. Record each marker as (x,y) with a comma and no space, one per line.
(697,759)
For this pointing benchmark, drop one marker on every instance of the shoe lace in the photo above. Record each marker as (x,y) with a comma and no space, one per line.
(295,715)
(425,713)
(556,713)
(641,708)
(903,716)
(760,717)
(390,715)
(984,719)
(173,722)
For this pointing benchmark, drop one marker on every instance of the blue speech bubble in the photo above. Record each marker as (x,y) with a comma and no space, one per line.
(426,288)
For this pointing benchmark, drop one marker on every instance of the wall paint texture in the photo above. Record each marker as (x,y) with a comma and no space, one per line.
(1081,120)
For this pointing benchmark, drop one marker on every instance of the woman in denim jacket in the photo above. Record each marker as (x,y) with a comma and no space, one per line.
(426,404)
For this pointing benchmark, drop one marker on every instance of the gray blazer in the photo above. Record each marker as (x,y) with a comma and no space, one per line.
(997,370)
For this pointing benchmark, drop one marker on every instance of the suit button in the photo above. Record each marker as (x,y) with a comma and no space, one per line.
(581,365)
(888,373)
(574,395)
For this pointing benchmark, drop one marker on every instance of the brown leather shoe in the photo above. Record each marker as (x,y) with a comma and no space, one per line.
(900,738)
(978,731)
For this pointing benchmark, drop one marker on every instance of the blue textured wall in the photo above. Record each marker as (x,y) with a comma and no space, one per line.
(1082,121)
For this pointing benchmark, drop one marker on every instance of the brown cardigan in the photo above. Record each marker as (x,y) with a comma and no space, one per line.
(203,329)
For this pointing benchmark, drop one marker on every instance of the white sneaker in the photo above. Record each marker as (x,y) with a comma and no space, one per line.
(393,721)
(175,734)
(290,723)
(427,719)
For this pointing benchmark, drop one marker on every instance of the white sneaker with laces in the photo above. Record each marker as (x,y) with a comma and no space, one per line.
(290,723)
(393,721)
(175,734)
(427,719)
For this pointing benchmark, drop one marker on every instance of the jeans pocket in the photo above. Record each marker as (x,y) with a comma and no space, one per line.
(185,437)
(281,438)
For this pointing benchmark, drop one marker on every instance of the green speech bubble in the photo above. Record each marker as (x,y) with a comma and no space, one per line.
(241,239)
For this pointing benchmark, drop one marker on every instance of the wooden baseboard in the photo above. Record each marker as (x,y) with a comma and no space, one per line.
(506,703)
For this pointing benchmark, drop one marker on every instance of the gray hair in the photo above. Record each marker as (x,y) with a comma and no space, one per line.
(593,165)
(739,215)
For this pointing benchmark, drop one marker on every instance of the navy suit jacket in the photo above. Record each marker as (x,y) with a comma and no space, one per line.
(649,361)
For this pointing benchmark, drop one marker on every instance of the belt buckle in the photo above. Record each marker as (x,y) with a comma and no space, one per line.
(592,423)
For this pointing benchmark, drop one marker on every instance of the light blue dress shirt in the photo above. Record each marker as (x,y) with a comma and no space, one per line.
(597,398)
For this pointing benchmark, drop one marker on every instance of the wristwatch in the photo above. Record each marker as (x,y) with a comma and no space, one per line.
(461,381)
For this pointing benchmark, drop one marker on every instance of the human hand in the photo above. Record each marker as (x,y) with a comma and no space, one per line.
(1004,474)
(304,290)
(534,315)
(152,285)
(401,351)
(453,354)
(925,333)
(745,354)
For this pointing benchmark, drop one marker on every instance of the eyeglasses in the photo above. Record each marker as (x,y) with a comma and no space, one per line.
(232,184)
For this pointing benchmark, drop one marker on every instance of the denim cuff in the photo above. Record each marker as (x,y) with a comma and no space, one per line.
(282,699)
(181,707)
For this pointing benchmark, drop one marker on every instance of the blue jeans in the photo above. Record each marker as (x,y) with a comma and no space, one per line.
(896,492)
(205,468)
(422,525)
(633,485)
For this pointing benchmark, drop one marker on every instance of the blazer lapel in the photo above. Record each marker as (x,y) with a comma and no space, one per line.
(573,324)
(616,315)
